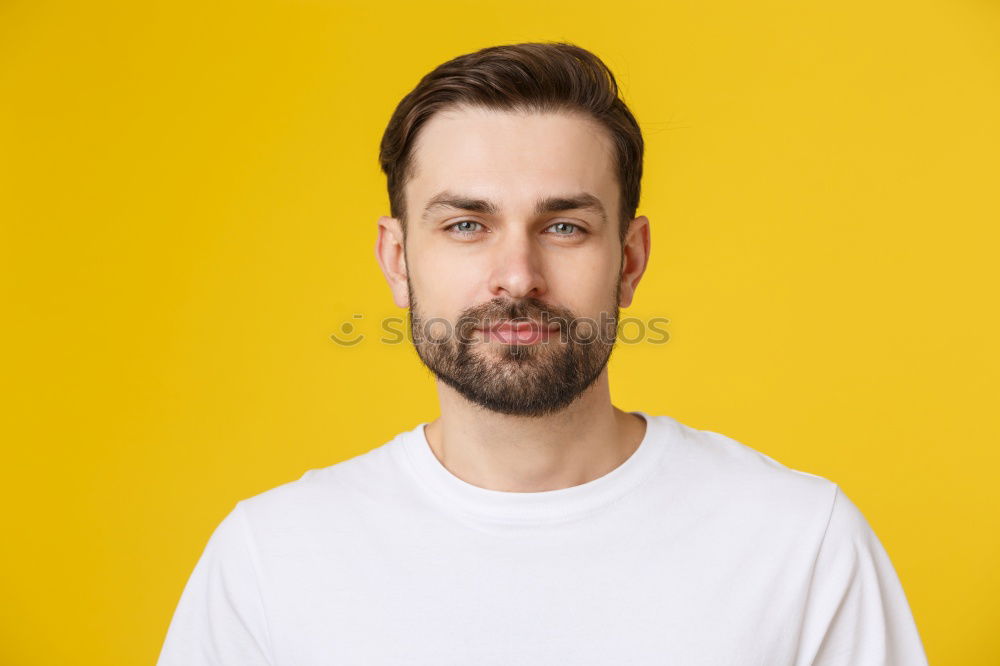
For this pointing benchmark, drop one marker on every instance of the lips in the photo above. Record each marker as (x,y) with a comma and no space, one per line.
(518,333)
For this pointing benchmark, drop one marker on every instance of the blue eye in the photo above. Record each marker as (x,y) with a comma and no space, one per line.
(470,227)
(462,226)
(564,225)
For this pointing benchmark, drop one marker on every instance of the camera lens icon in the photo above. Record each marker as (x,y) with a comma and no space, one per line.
(347,337)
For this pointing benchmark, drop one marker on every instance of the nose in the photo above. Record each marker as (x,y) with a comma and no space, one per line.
(517,267)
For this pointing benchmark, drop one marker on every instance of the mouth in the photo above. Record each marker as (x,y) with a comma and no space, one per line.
(518,333)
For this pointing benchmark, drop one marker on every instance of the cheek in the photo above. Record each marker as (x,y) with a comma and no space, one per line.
(445,285)
(585,284)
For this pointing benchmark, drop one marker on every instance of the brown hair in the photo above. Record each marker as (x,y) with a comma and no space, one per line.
(537,77)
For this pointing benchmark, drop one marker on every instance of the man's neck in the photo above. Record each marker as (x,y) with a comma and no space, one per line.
(585,441)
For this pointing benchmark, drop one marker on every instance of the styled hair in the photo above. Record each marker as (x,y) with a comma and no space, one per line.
(530,77)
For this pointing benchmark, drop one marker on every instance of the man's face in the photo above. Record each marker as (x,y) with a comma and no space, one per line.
(513,256)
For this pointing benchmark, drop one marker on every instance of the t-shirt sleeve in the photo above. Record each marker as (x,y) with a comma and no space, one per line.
(857,613)
(220,619)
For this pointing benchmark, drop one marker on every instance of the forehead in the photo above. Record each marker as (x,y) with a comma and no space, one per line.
(511,156)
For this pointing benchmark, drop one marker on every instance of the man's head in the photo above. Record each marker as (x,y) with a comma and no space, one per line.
(513,177)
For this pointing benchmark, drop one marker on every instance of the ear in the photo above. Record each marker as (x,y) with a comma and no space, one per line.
(391,255)
(635,258)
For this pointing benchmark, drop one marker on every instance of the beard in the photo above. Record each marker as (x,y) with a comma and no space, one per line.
(516,379)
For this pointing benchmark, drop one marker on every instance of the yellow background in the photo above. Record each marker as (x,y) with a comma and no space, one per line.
(189,190)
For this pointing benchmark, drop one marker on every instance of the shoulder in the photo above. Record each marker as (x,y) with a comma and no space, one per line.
(738,465)
(323,493)
(726,473)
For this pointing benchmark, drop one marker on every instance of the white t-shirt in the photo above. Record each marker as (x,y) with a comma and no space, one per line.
(696,551)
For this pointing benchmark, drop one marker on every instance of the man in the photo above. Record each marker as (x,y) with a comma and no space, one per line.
(534,522)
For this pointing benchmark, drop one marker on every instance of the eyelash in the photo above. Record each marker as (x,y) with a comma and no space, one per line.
(451,227)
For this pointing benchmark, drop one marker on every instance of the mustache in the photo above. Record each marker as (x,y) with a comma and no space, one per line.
(500,310)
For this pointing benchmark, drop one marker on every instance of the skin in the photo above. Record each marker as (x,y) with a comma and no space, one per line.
(570,259)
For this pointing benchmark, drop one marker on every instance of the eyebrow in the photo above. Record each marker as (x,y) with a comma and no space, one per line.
(581,201)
